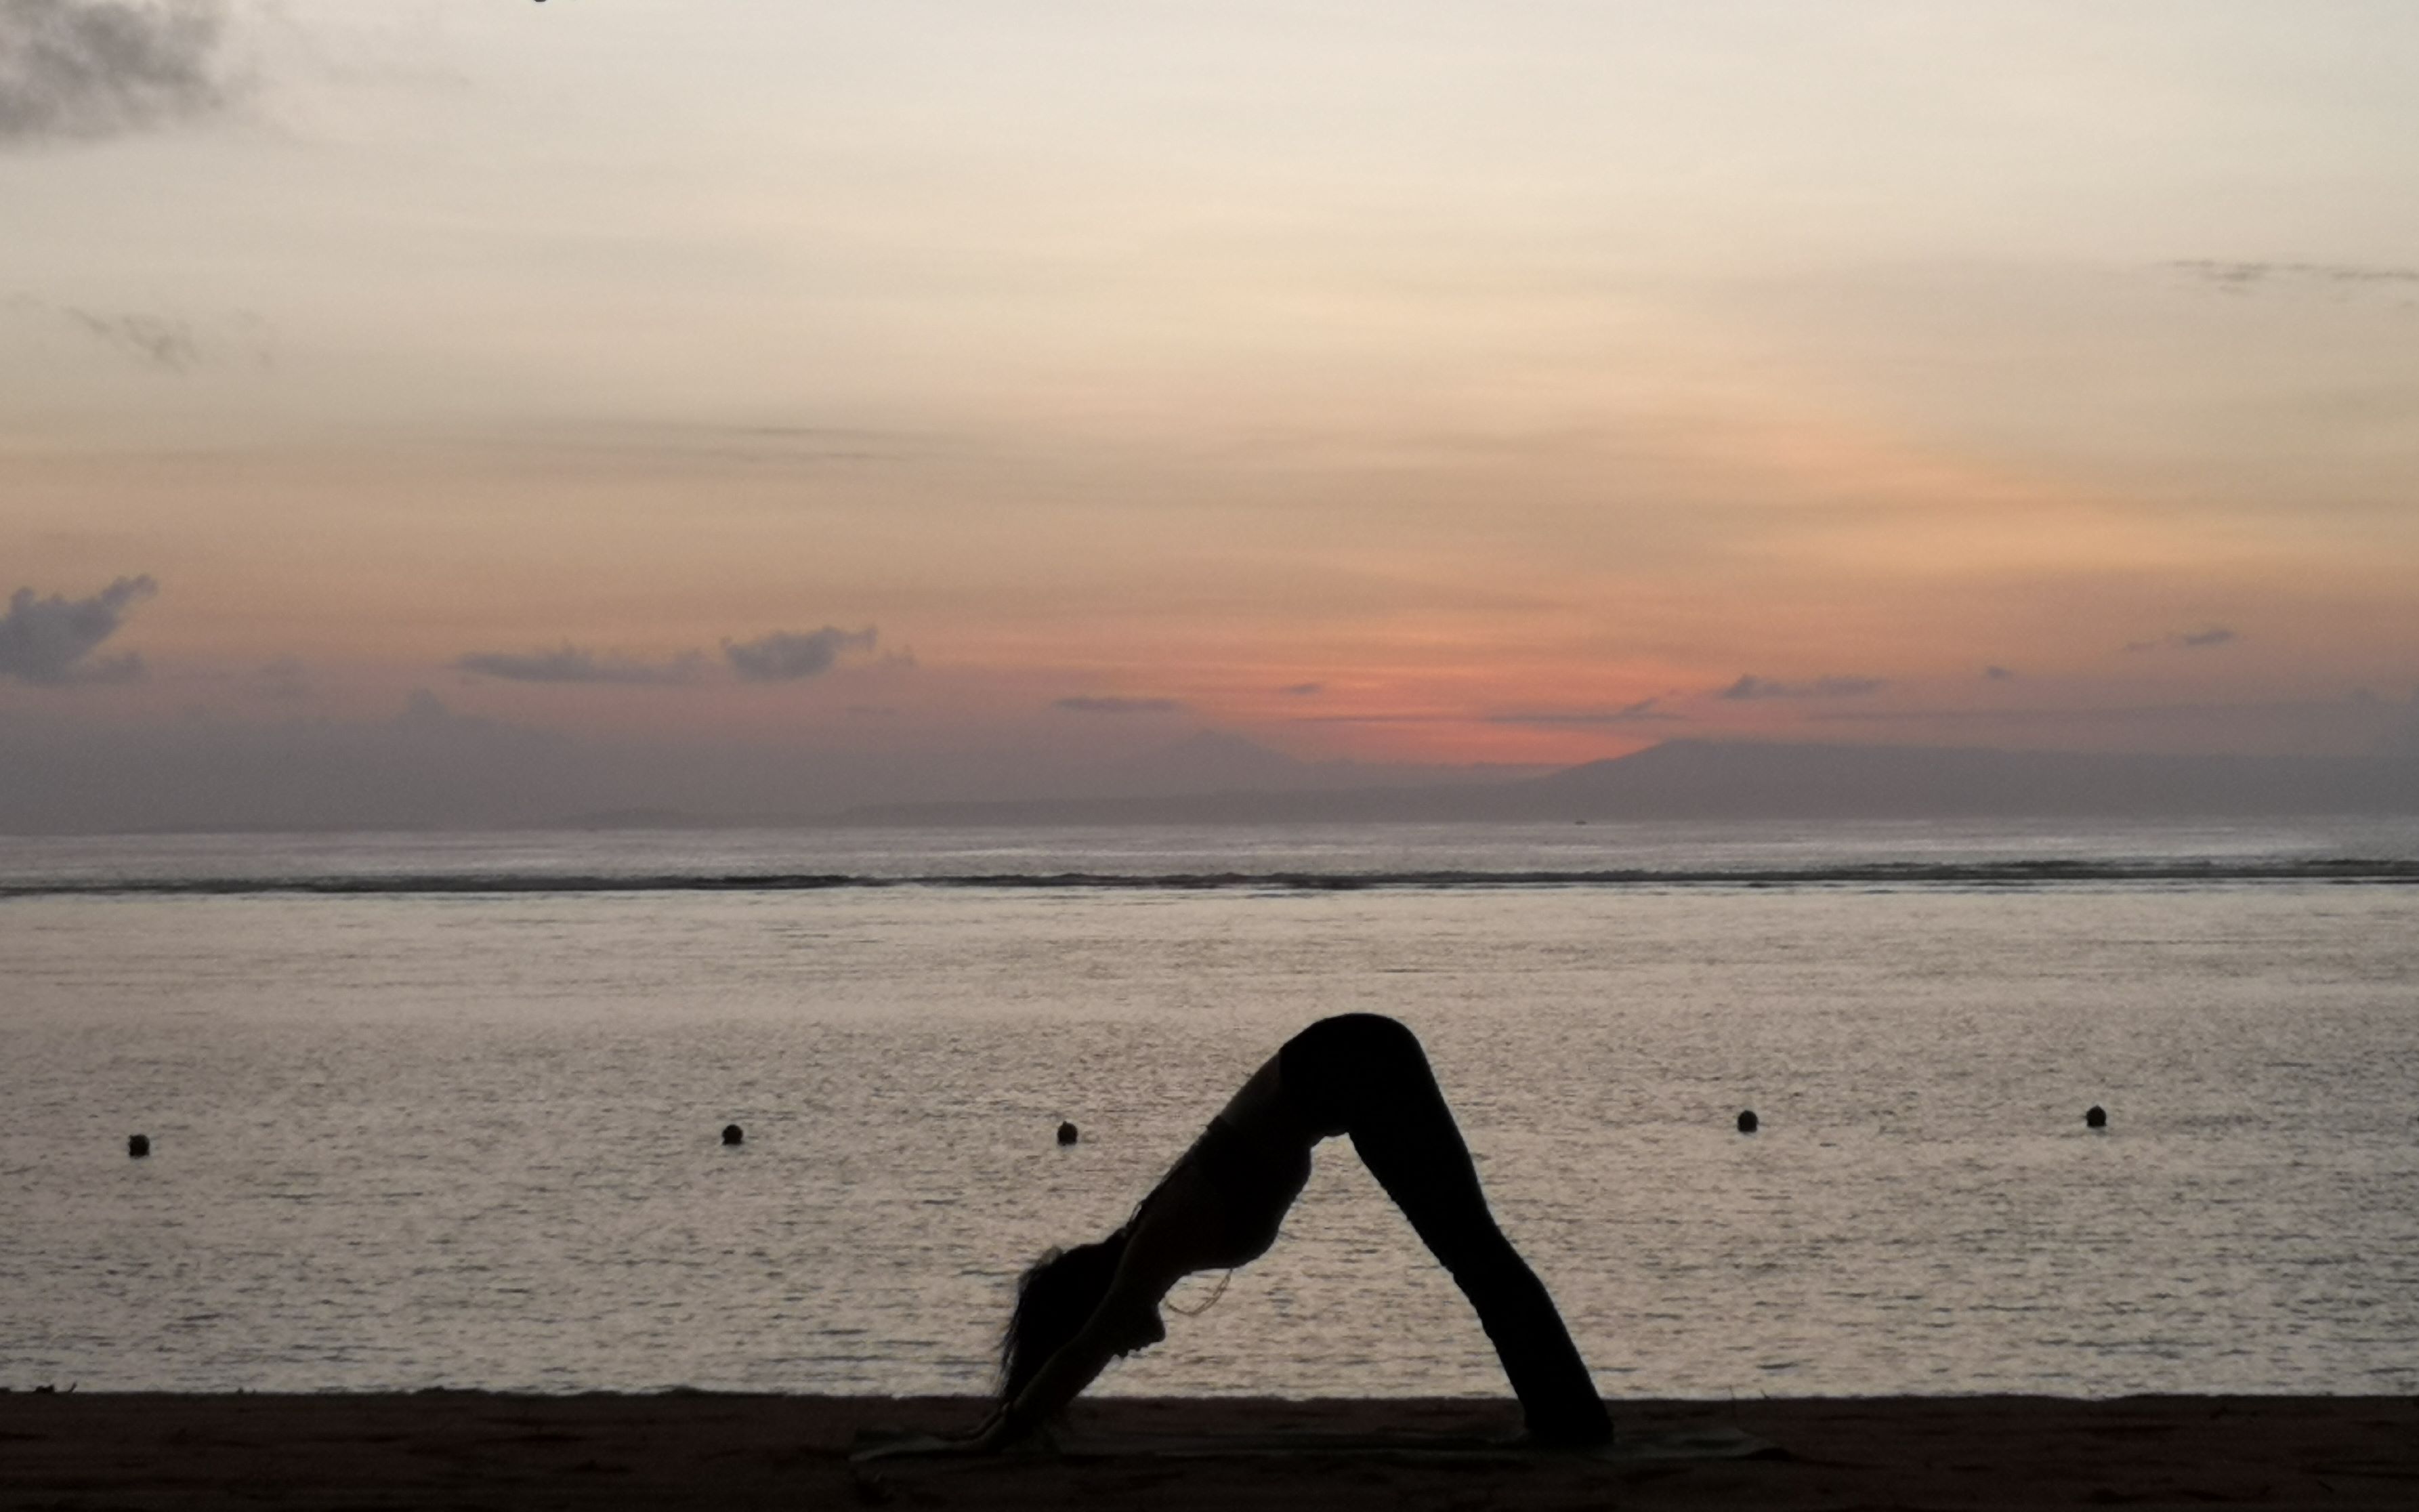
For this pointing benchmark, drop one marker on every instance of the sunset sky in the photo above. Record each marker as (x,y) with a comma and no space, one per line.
(1403,382)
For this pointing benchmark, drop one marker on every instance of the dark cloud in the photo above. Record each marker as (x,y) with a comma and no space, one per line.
(164,343)
(1751,687)
(1083,705)
(1642,711)
(1998,674)
(785,657)
(85,69)
(575,664)
(156,341)
(2216,635)
(50,640)
(780,656)
(1303,690)
(2239,277)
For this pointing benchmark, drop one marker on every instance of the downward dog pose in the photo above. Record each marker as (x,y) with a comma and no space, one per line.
(1360,1074)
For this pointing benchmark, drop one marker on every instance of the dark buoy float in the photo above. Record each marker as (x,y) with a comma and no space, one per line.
(1067,1134)
(2095,1116)
(1747,1121)
(138,1146)
(733,1134)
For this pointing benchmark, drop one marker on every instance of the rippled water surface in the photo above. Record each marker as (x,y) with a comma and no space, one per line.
(406,1138)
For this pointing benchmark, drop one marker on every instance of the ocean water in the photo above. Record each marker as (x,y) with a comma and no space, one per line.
(444,1110)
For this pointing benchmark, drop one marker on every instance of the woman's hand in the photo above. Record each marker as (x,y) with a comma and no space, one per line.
(1004,1434)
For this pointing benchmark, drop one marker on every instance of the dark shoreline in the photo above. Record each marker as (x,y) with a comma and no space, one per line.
(683,1449)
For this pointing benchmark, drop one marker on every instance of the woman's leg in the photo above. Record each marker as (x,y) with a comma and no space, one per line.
(1366,1075)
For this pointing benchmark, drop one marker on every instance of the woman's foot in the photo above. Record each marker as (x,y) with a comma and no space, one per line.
(1577,1429)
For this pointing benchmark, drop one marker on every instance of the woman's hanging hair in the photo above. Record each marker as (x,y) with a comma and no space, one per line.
(1054,1301)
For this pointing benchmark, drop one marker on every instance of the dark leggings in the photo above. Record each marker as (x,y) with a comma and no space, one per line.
(1365,1075)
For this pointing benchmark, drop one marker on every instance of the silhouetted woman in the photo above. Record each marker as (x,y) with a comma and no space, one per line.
(1359,1075)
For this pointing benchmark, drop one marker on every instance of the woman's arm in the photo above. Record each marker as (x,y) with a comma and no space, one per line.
(1177,1234)
(1126,1321)
(1186,1225)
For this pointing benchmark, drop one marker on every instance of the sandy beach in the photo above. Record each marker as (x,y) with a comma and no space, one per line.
(701,1450)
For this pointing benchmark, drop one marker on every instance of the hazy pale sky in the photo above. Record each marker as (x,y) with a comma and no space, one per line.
(1520,382)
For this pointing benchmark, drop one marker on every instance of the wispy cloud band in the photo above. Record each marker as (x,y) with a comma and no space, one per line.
(1751,687)
(1110,703)
(2216,635)
(576,664)
(1642,711)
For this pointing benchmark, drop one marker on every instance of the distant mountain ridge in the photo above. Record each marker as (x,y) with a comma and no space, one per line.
(1716,779)
(1214,761)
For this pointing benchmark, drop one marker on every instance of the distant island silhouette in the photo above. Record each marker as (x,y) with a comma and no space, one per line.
(476,776)
(1741,779)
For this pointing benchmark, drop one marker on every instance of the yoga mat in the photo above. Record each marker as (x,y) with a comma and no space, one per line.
(899,1447)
